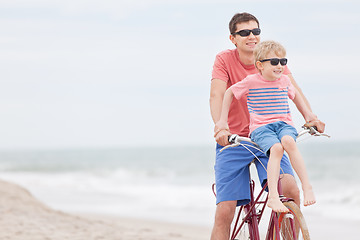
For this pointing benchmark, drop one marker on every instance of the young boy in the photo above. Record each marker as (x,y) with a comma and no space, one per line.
(271,126)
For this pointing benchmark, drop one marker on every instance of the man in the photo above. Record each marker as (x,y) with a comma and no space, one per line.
(231,169)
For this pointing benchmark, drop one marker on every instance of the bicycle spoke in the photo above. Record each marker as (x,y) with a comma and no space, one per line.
(292,224)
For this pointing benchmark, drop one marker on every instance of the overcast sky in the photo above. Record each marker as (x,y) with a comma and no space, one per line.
(112,73)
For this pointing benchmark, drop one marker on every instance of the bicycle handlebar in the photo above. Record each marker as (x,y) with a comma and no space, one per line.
(236,140)
(311,130)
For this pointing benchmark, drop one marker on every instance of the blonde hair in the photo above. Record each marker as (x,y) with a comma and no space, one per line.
(264,48)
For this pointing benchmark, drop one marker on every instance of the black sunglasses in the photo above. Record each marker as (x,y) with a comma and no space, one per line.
(246,32)
(276,61)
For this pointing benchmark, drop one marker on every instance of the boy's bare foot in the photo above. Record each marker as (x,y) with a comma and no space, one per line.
(309,197)
(276,205)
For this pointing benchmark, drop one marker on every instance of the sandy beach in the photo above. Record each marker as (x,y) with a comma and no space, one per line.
(324,228)
(23,217)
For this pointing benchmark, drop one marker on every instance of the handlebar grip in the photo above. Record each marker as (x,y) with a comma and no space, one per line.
(231,138)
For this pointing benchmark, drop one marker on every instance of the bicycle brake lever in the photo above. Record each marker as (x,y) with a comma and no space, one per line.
(303,132)
(313,131)
(229,146)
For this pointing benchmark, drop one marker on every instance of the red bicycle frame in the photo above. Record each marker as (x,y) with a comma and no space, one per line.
(252,217)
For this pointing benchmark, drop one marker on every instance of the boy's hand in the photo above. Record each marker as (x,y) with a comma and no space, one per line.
(222,137)
(221,133)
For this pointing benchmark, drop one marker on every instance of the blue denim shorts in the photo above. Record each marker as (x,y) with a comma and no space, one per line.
(268,135)
(232,172)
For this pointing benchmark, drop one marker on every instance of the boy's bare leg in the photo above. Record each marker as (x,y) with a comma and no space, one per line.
(223,217)
(298,164)
(273,169)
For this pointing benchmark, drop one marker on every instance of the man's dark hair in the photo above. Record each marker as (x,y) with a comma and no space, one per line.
(240,18)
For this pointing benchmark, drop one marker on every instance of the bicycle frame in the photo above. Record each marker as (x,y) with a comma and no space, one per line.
(253,218)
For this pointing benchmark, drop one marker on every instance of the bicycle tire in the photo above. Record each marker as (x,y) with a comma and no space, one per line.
(288,230)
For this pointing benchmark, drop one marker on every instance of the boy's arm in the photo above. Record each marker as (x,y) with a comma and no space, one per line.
(223,121)
(217,91)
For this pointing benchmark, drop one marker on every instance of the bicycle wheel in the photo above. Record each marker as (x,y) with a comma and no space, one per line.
(292,225)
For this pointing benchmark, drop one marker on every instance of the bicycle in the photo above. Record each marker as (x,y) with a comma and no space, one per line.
(290,225)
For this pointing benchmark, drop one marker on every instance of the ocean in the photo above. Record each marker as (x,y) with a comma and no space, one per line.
(170,184)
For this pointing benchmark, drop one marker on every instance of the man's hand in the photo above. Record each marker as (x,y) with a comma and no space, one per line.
(317,123)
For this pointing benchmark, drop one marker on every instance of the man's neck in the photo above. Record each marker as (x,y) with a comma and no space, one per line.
(247,58)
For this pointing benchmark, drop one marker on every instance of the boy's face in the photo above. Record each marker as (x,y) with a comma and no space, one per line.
(247,43)
(271,72)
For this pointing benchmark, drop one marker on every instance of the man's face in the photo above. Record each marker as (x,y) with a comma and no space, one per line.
(247,43)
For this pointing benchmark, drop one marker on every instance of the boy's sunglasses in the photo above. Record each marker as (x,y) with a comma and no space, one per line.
(276,61)
(246,32)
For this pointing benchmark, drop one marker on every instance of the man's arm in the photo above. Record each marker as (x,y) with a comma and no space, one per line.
(299,90)
(303,108)
(316,122)
(217,91)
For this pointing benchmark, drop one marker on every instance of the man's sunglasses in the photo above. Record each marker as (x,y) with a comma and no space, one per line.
(276,61)
(246,32)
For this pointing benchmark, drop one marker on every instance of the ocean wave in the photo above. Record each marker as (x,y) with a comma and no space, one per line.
(164,184)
